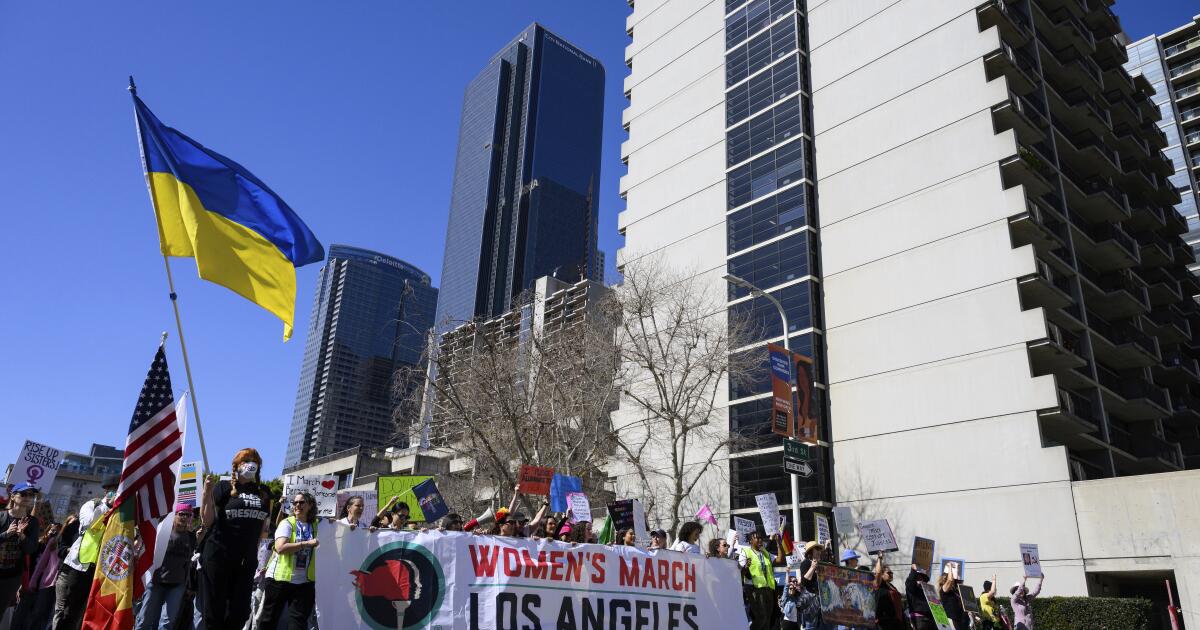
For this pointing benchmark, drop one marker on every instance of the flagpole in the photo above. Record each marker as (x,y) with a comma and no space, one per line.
(187,367)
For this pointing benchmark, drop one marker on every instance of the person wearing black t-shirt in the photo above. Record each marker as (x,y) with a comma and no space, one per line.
(235,516)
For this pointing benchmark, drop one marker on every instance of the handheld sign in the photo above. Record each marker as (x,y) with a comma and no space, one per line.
(1030,560)
(560,487)
(370,503)
(188,489)
(640,534)
(847,597)
(535,479)
(744,527)
(768,506)
(843,519)
(922,554)
(969,600)
(957,563)
(877,536)
(581,508)
(401,487)
(37,465)
(935,607)
(821,526)
(323,488)
(622,514)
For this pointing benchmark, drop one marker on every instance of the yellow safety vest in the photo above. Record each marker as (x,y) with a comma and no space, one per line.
(282,565)
(761,573)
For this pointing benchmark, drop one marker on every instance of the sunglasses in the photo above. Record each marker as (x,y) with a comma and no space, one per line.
(300,502)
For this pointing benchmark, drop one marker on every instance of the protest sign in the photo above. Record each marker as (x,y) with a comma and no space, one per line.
(957,563)
(744,527)
(877,536)
(370,503)
(535,479)
(188,489)
(935,607)
(622,514)
(581,508)
(922,554)
(433,506)
(322,487)
(560,487)
(37,465)
(401,487)
(768,506)
(821,527)
(731,538)
(843,519)
(969,600)
(847,596)
(640,534)
(452,580)
(1030,560)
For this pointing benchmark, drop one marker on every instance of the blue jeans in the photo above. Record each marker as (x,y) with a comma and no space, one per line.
(158,595)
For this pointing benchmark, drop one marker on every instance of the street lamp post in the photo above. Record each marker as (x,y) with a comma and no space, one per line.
(757,292)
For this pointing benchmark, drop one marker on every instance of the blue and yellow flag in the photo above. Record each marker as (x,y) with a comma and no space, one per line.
(242,235)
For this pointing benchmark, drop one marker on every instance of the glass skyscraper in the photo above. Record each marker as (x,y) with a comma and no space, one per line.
(524,203)
(370,318)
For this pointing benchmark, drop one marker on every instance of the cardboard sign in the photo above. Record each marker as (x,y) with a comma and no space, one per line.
(744,527)
(188,489)
(1030,560)
(370,503)
(957,563)
(877,536)
(847,596)
(922,554)
(323,488)
(640,534)
(731,538)
(622,514)
(37,465)
(935,607)
(401,486)
(806,411)
(768,506)
(781,390)
(560,487)
(535,479)
(970,602)
(821,527)
(581,508)
(843,519)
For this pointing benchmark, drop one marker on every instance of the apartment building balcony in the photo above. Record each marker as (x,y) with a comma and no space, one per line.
(1190,447)
(1102,20)
(1185,411)
(1132,397)
(1117,295)
(1161,287)
(1122,345)
(1178,367)
(1154,453)
(1016,66)
(1095,198)
(1155,251)
(1072,30)
(1027,169)
(1185,71)
(1047,288)
(1176,224)
(1187,95)
(1076,416)
(1105,246)
(1087,153)
(1022,117)
(1181,50)
(1169,324)
(1122,109)
(1067,69)
(1110,52)
(1014,26)
(1078,110)
(1059,350)
(1038,227)
(1148,219)
(1130,139)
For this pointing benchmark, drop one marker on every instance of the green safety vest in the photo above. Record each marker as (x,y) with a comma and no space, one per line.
(282,565)
(761,573)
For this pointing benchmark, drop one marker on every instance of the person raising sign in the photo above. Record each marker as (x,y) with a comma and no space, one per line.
(235,516)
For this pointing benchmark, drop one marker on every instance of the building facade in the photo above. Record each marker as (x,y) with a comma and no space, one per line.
(996,284)
(1171,63)
(371,316)
(524,203)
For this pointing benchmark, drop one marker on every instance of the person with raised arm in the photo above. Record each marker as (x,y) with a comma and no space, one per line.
(889,605)
(235,514)
(1022,603)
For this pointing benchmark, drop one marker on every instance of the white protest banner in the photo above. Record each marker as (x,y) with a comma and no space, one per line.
(843,519)
(322,487)
(877,536)
(37,465)
(821,526)
(188,490)
(641,535)
(744,527)
(581,508)
(370,503)
(456,581)
(768,506)
(1031,560)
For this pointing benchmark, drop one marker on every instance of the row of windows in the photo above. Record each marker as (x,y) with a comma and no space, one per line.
(789,163)
(774,264)
(760,51)
(769,87)
(762,316)
(754,17)
(764,131)
(768,218)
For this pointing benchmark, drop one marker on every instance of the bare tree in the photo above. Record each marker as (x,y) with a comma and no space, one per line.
(523,388)
(679,350)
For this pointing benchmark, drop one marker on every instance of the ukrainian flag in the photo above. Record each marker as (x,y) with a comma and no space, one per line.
(242,235)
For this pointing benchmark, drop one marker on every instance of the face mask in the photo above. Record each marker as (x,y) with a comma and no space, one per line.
(248,471)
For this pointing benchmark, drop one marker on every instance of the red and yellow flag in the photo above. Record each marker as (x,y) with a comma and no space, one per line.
(110,603)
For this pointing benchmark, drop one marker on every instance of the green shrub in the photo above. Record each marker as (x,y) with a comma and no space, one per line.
(1089,613)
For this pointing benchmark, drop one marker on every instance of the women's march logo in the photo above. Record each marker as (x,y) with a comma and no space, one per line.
(399,587)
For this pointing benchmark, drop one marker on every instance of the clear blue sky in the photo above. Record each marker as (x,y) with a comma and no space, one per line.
(349,110)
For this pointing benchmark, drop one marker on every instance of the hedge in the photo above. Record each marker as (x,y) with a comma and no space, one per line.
(1090,613)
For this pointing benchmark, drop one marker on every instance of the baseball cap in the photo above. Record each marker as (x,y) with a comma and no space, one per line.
(661,533)
(24,487)
(850,554)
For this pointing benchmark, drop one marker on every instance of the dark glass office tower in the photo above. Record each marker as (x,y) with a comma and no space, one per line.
(524,203)
(370,318)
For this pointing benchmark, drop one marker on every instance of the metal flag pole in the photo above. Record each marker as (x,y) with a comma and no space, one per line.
(187,367)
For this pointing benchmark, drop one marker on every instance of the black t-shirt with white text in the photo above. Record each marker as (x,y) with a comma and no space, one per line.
(240,518)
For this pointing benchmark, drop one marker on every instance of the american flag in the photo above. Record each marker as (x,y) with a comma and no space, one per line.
(154,445)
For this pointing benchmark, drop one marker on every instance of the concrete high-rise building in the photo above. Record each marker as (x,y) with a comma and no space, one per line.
(371,317)
(526,179)
(994,288)
(1171,63)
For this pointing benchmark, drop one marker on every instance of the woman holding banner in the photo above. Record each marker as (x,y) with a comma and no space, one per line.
(689,538)
(352,512)
(292,572)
